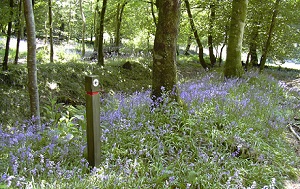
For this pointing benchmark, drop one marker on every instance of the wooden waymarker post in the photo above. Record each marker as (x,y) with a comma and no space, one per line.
(93,119)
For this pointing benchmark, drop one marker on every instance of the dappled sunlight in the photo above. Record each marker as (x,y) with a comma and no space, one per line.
(53,85)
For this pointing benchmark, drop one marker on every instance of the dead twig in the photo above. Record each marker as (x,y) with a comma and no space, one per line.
(293,131)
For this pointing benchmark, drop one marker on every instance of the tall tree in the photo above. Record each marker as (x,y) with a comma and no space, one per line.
(120,10)
(233,66)
(212,18)
(51,30)
(5,60)
(83,28)
(101,32)
(270,33)
(164,55)
(19,26)
(31,62)
(196,35)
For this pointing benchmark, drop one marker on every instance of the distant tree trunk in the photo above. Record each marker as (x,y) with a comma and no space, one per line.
(152,12)
(5,60)
(212,18)
(101,32)
(97,26)
(83,28)
(61,30)
(188,46)
(31,62)
(252,54)
(69,22)
(19,25)
(51,31)
(164,57)
(92,29)
(22,21)
(270,33)
(224,44)
(253,46)
(247,62)
(201,53)
(46,30)
(233,66)
(120,10)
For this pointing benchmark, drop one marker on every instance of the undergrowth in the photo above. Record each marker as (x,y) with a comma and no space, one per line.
(64,82)
(228,134)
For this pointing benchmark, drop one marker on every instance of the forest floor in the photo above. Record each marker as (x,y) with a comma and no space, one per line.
(291,84)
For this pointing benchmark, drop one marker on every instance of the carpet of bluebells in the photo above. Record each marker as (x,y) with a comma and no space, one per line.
(224,134)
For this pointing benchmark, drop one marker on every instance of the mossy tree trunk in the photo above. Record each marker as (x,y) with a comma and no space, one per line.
(196,35)
(164,57)
(101,32)
(31,62)
(270,34)
(233,66)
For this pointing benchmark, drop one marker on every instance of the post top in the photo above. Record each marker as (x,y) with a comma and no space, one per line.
(92,83)
(91,76)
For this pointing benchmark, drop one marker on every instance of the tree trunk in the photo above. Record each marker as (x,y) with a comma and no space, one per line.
(69,22)
(210,34)
(221,51)
(83,28)
(97,26)
(247,62)
(152,13)
(51,31)
(164,58)
(92,26)
(201,55)
(46,30)
(22,20)
(188,46)
(120,10)
(31,62)
(233,66)
(19,25)
(268,42)
(253,58)
(5,60)
(101,32)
